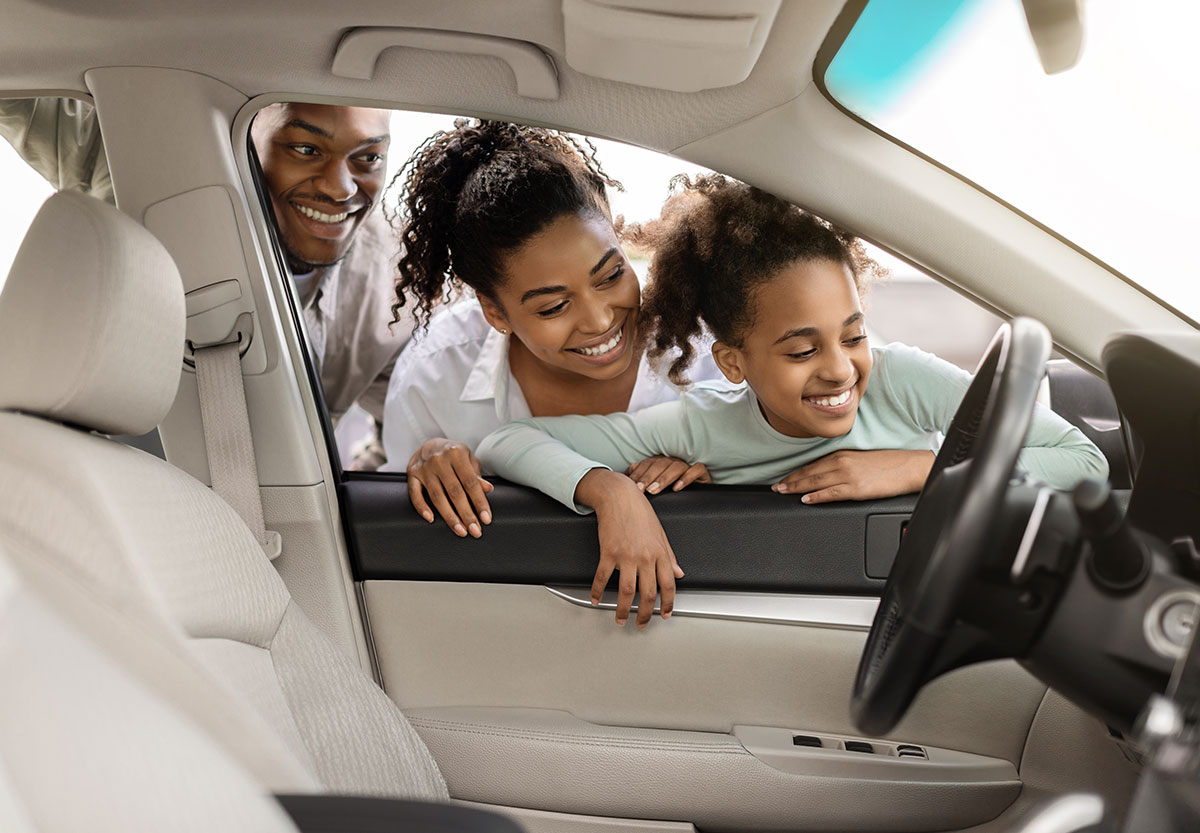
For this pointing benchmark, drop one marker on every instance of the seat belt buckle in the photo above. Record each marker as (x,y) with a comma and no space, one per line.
(273,546)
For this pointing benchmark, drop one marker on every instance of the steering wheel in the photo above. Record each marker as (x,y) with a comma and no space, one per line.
(946,541)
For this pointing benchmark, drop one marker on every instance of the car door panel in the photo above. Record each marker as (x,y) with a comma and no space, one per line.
(772,616)
(564,688)
(441,644)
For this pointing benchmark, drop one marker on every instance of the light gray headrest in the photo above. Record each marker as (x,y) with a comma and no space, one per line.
(91,320)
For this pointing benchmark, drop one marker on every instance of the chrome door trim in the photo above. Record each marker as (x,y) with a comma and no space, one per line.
(853,613)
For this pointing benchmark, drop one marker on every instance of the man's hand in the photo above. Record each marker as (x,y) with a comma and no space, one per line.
(446,474)
(858,475)
(654,474)
(632,543)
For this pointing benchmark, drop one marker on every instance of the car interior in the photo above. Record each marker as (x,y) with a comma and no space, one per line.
(235,632)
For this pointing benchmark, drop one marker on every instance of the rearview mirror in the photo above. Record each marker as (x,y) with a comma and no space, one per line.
(1057,29)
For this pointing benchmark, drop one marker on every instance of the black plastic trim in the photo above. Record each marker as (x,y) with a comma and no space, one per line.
(359,814)
(293,305)
(1084,400)
(725,537)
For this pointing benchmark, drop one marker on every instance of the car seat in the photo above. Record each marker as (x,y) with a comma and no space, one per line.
(83,746)
(92,334)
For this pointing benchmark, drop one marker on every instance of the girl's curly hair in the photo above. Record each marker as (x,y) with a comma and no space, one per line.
(716,242)
(480,190)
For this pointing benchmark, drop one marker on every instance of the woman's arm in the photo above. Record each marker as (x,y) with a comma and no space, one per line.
(446,474)
(443,474)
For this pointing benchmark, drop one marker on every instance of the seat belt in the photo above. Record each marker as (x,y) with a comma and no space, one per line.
(227,441)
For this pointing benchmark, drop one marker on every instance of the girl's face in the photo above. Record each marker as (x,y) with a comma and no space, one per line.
(806,355)
(571,298)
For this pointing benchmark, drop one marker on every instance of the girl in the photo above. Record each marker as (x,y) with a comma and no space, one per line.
(780,290)
(520,216)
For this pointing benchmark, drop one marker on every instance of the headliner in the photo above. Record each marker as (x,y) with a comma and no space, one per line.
(276,47)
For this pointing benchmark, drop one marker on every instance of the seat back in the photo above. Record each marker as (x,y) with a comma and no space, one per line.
(84,747)
(144,535)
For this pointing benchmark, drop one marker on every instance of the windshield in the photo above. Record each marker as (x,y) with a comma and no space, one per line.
(1104,153)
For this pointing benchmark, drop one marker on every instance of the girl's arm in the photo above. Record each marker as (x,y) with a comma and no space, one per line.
(632,544)
(1056,452)
(851,474)
(552,454)
(540,453)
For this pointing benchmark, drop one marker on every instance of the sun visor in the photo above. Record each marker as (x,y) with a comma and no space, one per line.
(679,45)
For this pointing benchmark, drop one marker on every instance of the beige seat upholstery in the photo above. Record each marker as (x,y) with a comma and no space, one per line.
(91,330)
(83,746)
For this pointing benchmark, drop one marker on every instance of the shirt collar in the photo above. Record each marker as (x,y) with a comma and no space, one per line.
(327,289)
(488,378)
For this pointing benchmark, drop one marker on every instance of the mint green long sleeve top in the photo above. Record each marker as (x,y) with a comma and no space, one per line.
(910,400)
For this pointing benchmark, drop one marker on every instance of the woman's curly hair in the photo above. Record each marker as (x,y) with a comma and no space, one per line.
(480,190)
(716,242)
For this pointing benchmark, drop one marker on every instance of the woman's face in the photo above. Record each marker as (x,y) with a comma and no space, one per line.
(806,356)
(571,297)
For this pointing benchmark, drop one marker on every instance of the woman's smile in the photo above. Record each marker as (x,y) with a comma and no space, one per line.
(606,349)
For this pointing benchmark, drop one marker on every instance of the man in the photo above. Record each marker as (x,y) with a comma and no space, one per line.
(324,169)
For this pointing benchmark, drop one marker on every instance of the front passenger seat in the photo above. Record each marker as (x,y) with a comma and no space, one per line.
(84,747)
(92,335)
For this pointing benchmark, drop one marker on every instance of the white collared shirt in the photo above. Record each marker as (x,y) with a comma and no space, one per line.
(318,300)
(454,381)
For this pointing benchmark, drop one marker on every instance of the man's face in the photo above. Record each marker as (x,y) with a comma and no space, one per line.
(324,168)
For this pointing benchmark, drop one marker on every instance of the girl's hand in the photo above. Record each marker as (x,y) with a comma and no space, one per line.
(654,474)
(858,475)
(632,543)
(446,474)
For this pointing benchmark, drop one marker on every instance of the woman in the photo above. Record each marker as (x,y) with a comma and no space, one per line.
(519,216)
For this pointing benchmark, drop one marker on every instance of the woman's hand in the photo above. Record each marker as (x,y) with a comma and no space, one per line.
(632,543)
(446,474)
(654,474)
(858,475)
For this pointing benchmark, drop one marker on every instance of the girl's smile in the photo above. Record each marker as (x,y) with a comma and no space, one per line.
(834,404)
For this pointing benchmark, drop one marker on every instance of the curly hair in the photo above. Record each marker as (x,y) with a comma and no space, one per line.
(716,242)
(480,190)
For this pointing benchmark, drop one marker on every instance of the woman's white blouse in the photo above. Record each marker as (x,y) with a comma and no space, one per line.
(454,381)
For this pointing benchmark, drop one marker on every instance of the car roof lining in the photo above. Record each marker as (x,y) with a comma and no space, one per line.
(273,46)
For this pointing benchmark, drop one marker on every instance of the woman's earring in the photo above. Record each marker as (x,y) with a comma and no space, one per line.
(503,332)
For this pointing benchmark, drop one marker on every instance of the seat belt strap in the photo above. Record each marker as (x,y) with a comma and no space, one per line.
(227,441)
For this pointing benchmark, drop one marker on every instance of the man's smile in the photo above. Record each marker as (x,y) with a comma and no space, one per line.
(324,223)
(320,216)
